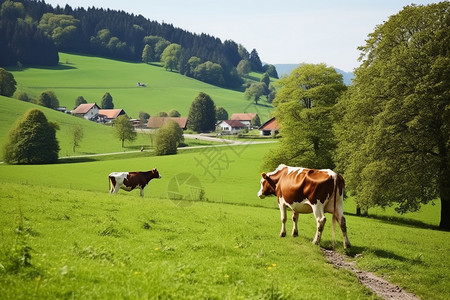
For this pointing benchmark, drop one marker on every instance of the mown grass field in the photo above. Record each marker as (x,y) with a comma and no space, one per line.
(84,242)
(92,77)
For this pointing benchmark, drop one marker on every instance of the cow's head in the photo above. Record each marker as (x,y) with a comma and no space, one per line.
(156,174)
(267,186)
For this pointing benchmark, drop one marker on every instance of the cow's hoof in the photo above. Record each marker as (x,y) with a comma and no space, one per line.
(295,234)
(282,234)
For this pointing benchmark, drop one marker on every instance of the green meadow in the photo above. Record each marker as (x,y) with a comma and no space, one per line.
(62,235)
(92,77)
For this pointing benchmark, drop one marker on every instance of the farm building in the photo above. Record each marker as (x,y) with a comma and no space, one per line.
(230,126)
(156,122)
(270,126)
(89,111)
(244,118)
(108,115)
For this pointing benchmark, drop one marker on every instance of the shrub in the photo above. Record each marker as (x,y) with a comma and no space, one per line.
(167,138)
(32,140)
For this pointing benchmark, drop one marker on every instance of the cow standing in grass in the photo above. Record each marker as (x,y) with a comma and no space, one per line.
(130,180)
(307,191)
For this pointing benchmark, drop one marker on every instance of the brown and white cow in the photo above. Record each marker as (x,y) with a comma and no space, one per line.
(130,180)
(307,191)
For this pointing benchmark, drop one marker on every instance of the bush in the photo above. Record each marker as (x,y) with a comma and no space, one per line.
(32,140)
(167,138)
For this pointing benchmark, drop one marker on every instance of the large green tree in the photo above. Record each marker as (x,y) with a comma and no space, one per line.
(167,138)
(255,91)
(61,28)
(202,114)
(394,122)
(124,129)
(32,140)
(303,107)
(7,83)
(170,56)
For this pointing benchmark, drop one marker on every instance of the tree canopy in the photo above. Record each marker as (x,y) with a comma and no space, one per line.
(7,83)
(303,109)
(48,99)
(170,56)
(32,140)
(167,138)
(396,115)
(107,101)
(202,114)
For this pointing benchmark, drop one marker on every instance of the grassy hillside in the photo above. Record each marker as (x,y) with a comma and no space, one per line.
(97,138)
(92,77)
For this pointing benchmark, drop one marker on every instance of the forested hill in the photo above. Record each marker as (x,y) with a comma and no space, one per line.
(32,32)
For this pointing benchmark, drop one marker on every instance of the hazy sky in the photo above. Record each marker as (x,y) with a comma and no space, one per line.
(284,31)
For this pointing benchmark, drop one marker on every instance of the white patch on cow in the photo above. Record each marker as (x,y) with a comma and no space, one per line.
(120,177)
(303,207)
(260,194)
(278,169)
(295,169)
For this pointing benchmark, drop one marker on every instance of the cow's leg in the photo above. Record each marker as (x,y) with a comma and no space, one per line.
(294,220)
(318,210)
(116,188)
(112,185)
(342,223)
(283,218)
(142,191)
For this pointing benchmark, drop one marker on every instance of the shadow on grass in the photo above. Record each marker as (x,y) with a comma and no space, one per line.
(74,160)
(401,221)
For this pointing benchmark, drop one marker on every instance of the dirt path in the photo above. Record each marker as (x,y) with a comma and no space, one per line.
(381,287)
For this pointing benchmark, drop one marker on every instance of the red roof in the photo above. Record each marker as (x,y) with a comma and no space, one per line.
(270,125)
(84,108)
(111,113)
(157,122)
(243,117)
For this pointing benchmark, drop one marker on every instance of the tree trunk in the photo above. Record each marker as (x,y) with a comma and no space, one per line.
(444,187)
(444,193)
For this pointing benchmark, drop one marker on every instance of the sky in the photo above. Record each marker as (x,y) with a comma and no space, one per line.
(282,32)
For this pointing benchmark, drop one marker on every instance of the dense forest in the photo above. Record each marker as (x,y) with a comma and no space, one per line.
(32,32)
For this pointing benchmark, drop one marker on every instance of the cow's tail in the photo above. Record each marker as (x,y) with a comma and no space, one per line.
(335,216)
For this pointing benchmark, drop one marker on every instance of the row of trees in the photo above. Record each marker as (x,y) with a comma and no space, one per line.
(389,132)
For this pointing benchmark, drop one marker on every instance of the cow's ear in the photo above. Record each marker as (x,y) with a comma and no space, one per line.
(264,175)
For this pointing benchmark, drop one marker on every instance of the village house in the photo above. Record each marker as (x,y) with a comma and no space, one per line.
(269,127)
(230,126)
(155,123)
(89,111)
(108,115)
(244,118)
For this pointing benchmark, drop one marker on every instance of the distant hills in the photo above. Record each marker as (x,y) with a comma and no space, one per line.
(286,69)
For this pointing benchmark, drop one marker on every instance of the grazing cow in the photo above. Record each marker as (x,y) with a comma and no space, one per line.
(130,180)
(307,191)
